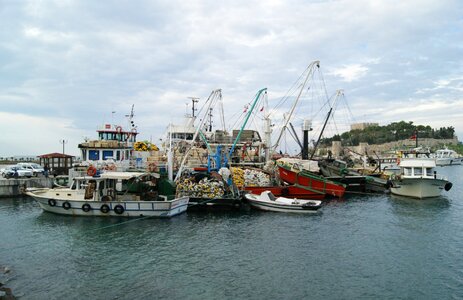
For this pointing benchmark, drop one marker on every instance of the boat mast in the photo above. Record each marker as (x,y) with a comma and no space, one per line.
(339,93)
(310,72)
(170,166)
(267,130)
(215,94)
(258,95)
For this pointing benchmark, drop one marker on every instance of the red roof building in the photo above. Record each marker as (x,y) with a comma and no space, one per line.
(58,163)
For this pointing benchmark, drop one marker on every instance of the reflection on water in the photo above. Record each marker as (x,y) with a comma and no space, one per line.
(367,247)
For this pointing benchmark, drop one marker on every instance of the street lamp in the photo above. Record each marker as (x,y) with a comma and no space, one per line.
(63,142)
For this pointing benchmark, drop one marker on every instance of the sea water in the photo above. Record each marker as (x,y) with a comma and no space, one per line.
(362,247)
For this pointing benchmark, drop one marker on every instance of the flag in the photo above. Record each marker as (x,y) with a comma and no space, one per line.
(262,109)
(413,137)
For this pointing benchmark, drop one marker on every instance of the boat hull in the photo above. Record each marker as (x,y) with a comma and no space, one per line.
(201,204)
(287,191)
(449,161)
(161,209)
(418,187)
(275,206)
(311,181)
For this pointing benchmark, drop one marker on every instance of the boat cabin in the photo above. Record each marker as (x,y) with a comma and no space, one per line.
(119,186)
(412,168)
(113,143)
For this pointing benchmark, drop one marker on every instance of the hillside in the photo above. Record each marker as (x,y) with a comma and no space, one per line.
(390,133)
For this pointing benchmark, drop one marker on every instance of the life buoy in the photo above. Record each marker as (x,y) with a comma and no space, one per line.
(52,202)
(91,171)
(119,209)
(132,132)
(86,207)
(66,205)
(104,209)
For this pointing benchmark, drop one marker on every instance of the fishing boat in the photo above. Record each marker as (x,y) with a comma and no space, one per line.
(356,180)
(112,194)
(114,143)
(295,175)
(268,202)
(418,179)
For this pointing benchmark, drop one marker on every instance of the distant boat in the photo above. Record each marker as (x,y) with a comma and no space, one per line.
(447,157)
(268,202)
(418,179)
(111,194)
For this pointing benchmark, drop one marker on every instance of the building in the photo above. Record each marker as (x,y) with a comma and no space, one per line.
(58,163)
(362,126)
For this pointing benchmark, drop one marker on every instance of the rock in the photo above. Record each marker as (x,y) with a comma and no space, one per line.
(6,294)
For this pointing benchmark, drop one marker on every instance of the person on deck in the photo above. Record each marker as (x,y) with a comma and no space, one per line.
(226,174)
(45,170)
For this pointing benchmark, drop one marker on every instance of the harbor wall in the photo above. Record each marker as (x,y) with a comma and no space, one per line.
(388,147)
(16,187)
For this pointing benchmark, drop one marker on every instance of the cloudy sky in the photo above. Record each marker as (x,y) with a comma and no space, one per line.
(66,65)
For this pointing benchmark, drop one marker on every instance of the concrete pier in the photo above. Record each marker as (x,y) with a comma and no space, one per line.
(16,187)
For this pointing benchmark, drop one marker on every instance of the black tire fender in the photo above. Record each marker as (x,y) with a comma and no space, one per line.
(105,209)
(119,209)
(66,205)
(86,207)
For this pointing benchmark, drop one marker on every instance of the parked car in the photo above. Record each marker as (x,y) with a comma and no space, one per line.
(35,168)
(17,172)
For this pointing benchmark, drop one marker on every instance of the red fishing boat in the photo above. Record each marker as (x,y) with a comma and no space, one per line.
(290,191)
(310,180)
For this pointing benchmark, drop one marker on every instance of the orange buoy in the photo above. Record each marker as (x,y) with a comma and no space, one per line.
(91,171)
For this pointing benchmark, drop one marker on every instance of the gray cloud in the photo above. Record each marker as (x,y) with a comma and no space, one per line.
(73,62)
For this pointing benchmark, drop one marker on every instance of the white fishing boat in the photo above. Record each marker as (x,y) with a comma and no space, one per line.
(122,194)
(268,202)
(447,157)
(418,179)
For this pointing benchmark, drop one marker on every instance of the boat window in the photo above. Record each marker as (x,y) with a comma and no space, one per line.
(118,155)
(107,153)
(119,187)
(407,171)
(418,171)
(74,185)
(429,172)
(94,154)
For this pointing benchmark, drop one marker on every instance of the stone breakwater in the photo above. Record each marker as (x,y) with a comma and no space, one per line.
(5,292)
(16,187)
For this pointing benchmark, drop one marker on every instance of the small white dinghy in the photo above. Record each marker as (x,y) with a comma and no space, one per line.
(267,201)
